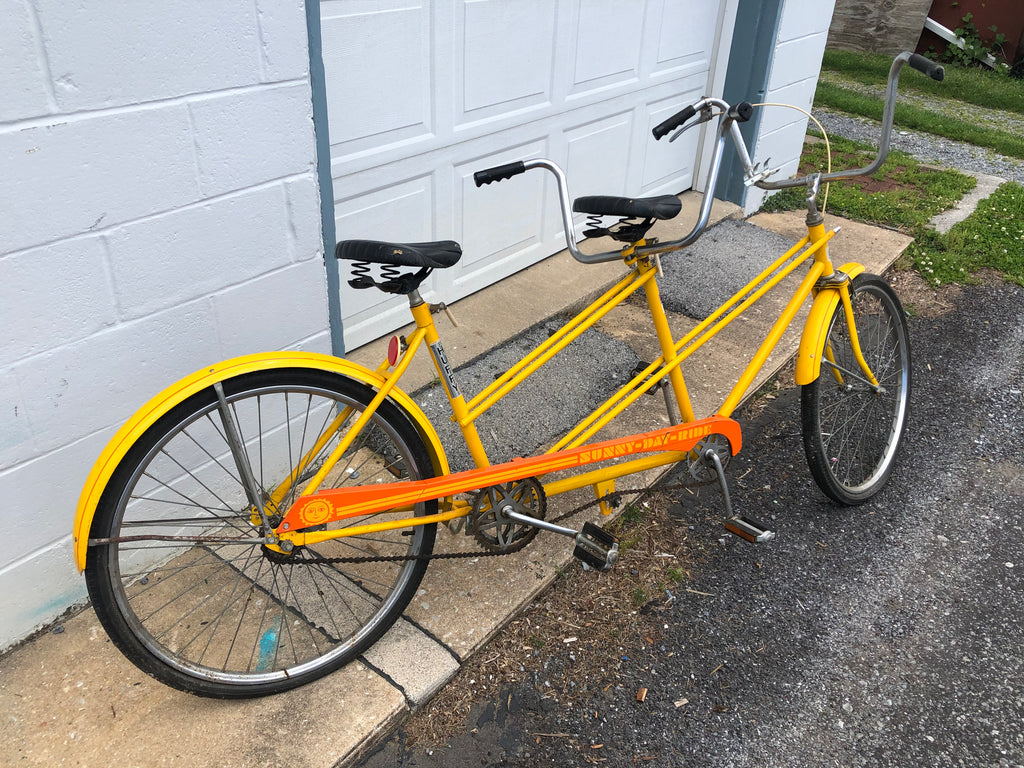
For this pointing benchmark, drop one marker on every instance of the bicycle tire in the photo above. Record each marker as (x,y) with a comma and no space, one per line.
(231,620)
(851,433)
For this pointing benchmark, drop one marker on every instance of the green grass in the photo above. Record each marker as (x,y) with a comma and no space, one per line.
(905,195)
(991,237)
(631,514)
(917,118)
(902,194)
(973,86)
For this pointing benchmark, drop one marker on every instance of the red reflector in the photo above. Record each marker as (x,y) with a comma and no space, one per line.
(393,350)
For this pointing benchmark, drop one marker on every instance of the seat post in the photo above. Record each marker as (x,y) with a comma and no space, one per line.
(425,320)
(668,347)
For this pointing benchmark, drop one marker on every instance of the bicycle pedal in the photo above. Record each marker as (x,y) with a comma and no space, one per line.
(749,529)
(596,547)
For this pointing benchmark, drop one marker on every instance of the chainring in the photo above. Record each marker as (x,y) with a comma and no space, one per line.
(498,533)
(700,470)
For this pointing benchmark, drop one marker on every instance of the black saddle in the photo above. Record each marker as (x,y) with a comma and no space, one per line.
(423,257)
(661,207)
(636,215)
(438,255)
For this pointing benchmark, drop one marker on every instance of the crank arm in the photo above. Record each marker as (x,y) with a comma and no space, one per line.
(537,523)
(594,546)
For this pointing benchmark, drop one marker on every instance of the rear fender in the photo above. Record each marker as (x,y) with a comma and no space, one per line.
(146,416)
(812,342)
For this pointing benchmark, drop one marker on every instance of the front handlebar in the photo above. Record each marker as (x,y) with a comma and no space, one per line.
(921,64)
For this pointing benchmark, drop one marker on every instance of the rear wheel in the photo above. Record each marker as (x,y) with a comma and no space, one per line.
(213,611)
(851,430)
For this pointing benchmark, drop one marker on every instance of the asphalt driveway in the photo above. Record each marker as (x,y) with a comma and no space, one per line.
(890,634)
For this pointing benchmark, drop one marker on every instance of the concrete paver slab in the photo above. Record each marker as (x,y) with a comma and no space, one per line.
(415,662)
(871,246)
(968,204)
(463,602)
(71,698)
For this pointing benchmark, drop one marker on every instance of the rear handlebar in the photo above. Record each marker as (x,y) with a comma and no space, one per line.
(730,117)
(927,66)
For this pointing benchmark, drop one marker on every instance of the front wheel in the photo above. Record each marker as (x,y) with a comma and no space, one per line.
(851,429)
(183,584)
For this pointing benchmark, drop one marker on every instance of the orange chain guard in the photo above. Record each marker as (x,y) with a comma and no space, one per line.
(341,503)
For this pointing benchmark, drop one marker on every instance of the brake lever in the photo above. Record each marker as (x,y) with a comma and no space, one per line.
(705,115)
(759,172)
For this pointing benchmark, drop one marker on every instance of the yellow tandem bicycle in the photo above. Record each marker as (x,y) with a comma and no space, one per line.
(265,520)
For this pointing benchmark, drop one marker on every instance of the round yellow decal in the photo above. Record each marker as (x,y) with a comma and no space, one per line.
(316,512)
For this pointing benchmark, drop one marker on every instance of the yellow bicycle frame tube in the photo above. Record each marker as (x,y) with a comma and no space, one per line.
(146,416)
(812,342)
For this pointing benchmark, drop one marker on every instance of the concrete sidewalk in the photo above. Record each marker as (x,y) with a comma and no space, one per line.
(69,697)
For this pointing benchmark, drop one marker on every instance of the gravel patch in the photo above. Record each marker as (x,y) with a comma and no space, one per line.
(578,380)
(925,147)
(704,276)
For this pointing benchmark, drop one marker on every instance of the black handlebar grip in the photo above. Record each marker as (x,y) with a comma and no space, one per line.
(498,173)
(661,129)
(927,66)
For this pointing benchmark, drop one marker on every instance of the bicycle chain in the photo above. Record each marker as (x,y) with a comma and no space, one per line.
(614,496)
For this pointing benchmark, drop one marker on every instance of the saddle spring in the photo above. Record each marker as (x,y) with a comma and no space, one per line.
(625,230)
(392,279)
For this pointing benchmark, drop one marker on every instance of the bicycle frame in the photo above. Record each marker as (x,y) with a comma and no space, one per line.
(670,445)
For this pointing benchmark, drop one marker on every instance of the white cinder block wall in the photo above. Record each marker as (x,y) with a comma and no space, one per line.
(158,211)
(799,47)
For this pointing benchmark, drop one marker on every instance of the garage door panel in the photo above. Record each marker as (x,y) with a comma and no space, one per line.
(423,93)
(508,58)
(395,65)
(685,35)
(608,44)
(401,211)
(598,155)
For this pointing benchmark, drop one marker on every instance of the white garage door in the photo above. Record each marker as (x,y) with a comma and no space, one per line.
(421,94)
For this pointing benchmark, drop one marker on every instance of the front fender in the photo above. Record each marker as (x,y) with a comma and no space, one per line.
(812,342)
(146,416)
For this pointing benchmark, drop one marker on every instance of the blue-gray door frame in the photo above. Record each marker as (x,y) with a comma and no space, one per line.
(318,84)
(746,79)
